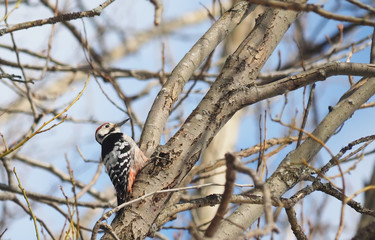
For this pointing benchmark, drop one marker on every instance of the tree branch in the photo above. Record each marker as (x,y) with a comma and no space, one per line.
(229,186)
(312,8)
(61,18)
(170,91)
(174,160)
(292,169)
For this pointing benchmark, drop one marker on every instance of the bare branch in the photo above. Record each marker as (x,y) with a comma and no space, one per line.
(296,228)
(167,96)
(223,207)
(61,18)
(158,11)
(312,8)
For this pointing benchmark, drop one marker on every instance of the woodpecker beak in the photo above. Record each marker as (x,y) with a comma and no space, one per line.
(121,123)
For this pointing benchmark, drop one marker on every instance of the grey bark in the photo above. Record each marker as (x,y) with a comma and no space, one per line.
(233,89)
(226,96)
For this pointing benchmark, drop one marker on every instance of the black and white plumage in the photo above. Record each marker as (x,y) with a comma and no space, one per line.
(121,156)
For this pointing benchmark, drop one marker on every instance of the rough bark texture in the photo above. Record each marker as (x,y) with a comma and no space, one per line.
(369,203)
(167,96)
(226,96)
(226,139)
(292,169)
(39,79)
(223,142)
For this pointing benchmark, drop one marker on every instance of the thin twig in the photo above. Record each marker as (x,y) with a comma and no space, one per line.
(61,18)
(75,198)
(158,11)
(46,123)
(267,201)
(118,208)
(228,190)
(28,204)
(306,113)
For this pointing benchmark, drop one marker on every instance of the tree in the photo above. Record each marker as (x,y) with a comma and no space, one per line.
(178,116)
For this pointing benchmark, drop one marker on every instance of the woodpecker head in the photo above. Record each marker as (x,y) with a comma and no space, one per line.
(106,129)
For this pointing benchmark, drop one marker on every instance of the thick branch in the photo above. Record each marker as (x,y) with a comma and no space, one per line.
(173,161)
(292,169)
(170,91)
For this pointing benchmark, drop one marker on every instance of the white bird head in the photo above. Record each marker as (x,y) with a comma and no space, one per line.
(107,128)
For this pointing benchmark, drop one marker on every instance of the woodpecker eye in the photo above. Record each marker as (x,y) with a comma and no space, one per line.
(106,126)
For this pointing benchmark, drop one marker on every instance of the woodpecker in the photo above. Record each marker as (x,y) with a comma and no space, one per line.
(121,156)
